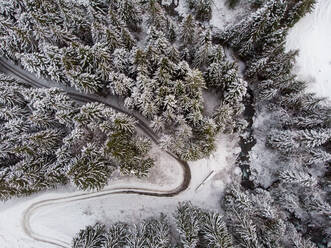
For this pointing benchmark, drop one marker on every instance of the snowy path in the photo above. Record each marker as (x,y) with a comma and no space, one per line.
(49,203)
(312,36)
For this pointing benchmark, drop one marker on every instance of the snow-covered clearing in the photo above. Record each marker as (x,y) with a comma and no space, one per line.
(222,15)
(59,220)
(312,36)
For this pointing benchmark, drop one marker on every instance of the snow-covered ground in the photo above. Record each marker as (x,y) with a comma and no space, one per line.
(59,220)
(312,36)
(222,15)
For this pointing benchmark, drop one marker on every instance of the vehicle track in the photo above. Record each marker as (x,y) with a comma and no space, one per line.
(17,72)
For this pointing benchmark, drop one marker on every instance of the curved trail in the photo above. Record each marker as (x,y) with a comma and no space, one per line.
(31,80)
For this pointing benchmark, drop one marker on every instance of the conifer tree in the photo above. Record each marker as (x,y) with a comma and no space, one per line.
(187,31)
(215,232)
(156,16)
(204,49)
(274,63)
(201,8)
(120,58)
(137,237)
(297,177)
(317,156)
(299,241)
(235,91)
(249,35)
(298,9)
(90,237)
(311,138)
(88,171)
(158,232)
(284,141)
(116,236)
(187,221)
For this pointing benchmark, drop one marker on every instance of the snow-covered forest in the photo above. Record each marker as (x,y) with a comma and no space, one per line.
(180,79)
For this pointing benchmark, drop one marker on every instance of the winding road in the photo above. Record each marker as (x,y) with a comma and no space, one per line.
(15,71)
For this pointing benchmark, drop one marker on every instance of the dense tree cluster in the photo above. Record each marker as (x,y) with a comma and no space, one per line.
(300,133)
(266,27)
(160,66)
(194,226)
(255,220)
(47,139)
(299,130)
(251,220)
(156,63)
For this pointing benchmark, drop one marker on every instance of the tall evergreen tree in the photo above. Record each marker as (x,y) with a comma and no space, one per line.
(90,237)
(215,232)
(187,221)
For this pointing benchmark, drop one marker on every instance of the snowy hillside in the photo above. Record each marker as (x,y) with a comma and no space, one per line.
(312,36)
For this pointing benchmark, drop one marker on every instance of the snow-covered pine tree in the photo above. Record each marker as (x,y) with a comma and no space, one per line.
(316,204)
(311,138)
(120,60)
(85,82)
(90,237)
(158,232)
(120,84)
(297,177)
(201,8)
(155,14)
(303,120)
(299,242)
(223,117)
(8,8)
(127,38)
(188,31)
(253,218)
(317,156)
(204,49)
(248,36)
(9,45)
(172,30)
(112,37)
(215,232)
(137,237)
(116,236)
(297,9)
(31,134)
(188,224)
(235,91)
(282,140)
(47,64)
(220,71)
(89,170)
(309,102)
(246,232)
